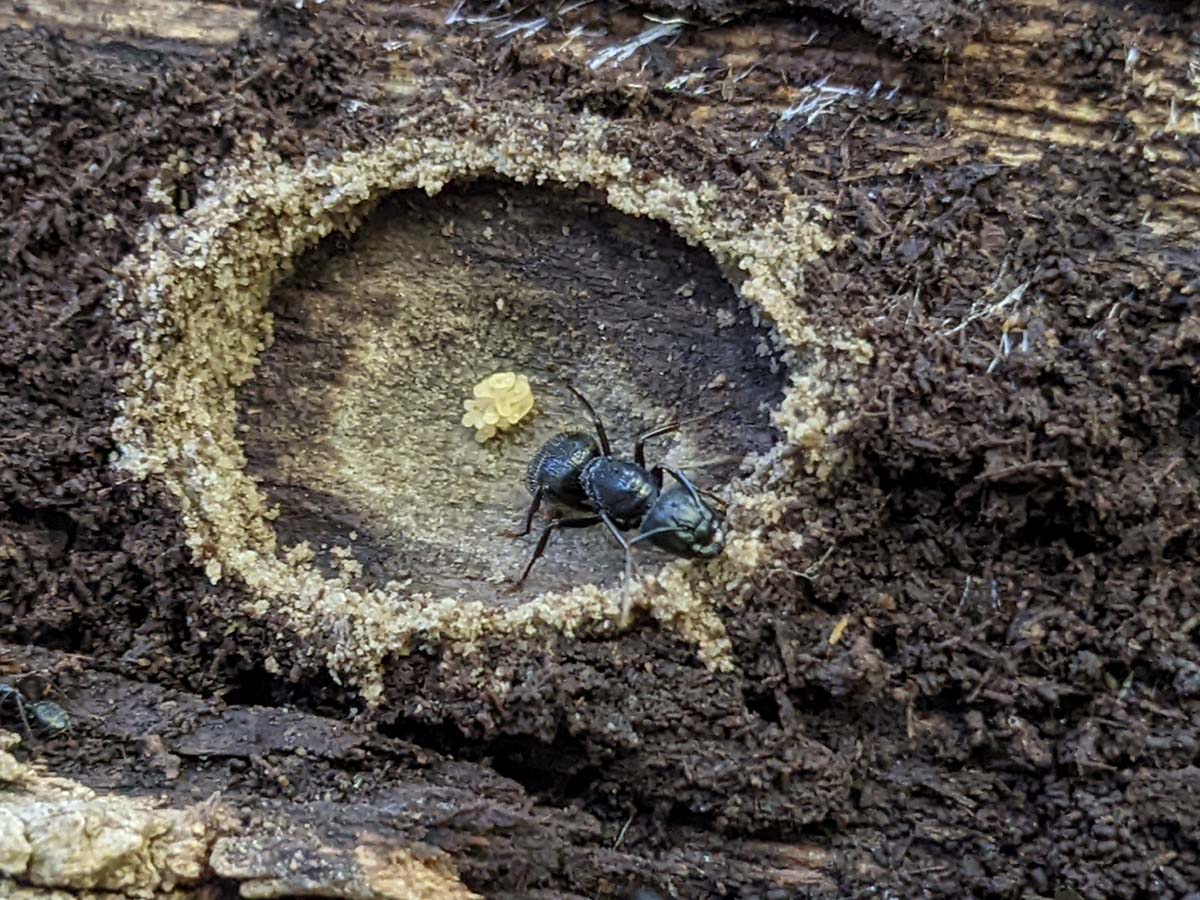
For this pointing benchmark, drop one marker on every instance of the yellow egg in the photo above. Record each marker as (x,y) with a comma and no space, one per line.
(505,406)
(499,401)
(520,408)
(495,385)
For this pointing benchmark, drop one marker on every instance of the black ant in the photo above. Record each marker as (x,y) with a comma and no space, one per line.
(576,471)
(49,715)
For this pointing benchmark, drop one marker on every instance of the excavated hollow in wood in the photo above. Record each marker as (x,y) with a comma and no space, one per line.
(351,424)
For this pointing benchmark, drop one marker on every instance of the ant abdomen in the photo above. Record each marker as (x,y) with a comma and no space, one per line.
(556,467)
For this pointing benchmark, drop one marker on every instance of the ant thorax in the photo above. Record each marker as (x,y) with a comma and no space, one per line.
(623,491)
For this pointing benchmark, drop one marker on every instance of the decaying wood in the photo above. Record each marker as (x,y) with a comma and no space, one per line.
(186,25)
(330,802)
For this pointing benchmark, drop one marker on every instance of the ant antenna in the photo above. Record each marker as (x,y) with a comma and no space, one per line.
(601,433)
(691,489)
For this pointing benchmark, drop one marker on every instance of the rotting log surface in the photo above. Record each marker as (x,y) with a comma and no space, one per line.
(1013,708)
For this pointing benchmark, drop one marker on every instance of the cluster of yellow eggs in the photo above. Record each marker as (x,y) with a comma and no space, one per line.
(500,401)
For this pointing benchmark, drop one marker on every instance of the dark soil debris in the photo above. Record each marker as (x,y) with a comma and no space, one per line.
(979,676)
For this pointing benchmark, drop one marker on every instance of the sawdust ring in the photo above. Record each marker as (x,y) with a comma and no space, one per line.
(195,302)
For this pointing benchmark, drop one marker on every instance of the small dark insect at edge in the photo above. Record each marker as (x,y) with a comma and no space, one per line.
(51,717)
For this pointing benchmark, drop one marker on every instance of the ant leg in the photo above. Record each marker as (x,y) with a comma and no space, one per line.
(626,595)
(533,508)
(585,522)
(639,448)
(15,695)
(656,475)
(600,432)
(682,479)
(616,532)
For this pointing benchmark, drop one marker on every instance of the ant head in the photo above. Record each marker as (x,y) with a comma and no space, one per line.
(683,524)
